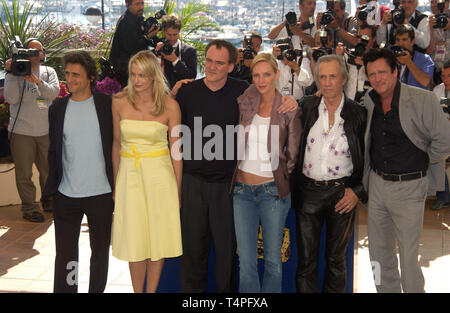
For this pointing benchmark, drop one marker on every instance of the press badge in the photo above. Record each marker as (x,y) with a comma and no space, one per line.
(41,103)
(439,56)
(286,91)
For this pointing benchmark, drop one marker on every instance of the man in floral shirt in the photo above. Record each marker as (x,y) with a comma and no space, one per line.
(329,176)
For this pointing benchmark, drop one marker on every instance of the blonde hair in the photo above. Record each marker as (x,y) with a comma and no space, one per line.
(147,62)
(265,57)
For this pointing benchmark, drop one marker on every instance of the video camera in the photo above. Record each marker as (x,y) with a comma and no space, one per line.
(328,15)
(398,14)
(323,50)
(20,65)
(248,51)
(364,11)
(152,20)
(106,68)
(441,17)
(166,48)
(445,102)
(287,51)
(359,50)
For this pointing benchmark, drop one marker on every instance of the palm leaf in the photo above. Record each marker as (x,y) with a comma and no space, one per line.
(19,23)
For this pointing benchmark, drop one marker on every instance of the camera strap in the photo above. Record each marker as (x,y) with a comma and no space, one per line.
(17,114)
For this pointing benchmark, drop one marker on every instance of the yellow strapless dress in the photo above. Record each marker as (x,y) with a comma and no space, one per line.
(146,221)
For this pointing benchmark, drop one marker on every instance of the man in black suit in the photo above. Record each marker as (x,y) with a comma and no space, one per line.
(182,62)
(80,173)
(129,39)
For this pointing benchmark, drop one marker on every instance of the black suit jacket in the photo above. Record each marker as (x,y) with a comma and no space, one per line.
(56,115)
(128,40)
(186,66)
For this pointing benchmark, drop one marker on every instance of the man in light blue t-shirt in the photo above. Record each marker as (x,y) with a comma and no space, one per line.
(80,173)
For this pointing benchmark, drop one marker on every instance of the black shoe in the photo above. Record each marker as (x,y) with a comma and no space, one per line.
(438,205)
(35,216)
(47,205)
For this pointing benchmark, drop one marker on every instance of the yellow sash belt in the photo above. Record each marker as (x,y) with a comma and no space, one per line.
(138,156)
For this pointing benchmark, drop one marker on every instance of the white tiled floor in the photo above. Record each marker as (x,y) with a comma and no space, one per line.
(434,252)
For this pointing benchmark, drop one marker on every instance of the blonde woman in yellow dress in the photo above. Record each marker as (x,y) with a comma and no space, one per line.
(146,227)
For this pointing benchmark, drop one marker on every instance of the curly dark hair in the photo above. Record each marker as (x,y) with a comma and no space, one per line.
(380,53)
(86,61)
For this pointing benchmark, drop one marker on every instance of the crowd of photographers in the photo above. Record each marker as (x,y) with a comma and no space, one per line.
(421,44)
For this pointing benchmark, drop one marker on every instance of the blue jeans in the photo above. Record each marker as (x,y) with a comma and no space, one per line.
(255,204)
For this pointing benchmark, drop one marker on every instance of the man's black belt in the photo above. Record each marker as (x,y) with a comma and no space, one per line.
(328,183)
(401,177)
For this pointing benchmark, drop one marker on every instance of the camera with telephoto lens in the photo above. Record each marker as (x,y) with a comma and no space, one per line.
(328,15)
(441,17)
(359,50)
(287,51)
(248,51)
(308,24)
(444,102)
(398,14)
(106,68)
(284,44)
(364,11)
(152,20)
(20,65)
(292,54)
(323,50)
(398,50)
(167,48)
(291,18)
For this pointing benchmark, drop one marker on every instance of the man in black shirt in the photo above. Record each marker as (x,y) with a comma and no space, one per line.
(209,106)
(407,140)
(129,38)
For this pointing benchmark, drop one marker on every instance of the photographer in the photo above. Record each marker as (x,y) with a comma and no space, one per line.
(344,26)
(129,38)
(374,12)
(29,98)
(251,46)
(442,91)
(181,62)
(302,32)
(416,68)
(358,84)
(295,71)
(439,48)
(412,17)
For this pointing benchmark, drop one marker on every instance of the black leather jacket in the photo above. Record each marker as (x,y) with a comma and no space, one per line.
(355,120)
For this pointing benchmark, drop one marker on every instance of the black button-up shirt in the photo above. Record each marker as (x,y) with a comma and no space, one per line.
(391,150)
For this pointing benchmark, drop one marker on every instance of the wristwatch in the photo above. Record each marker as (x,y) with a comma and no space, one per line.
(338,29)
